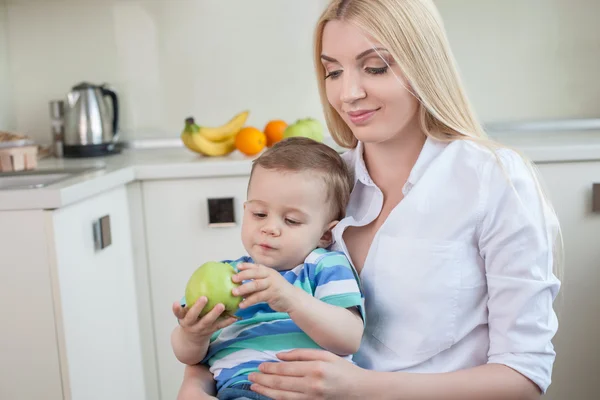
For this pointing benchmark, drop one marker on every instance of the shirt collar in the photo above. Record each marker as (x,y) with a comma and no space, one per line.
(431,149)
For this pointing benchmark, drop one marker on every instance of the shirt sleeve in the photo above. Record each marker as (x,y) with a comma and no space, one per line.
(336,282)
(518,230)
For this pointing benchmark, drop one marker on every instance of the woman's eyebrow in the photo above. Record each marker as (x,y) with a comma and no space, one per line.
(369,51)
(358,57)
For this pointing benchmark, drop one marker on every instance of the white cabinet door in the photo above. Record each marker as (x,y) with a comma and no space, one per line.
(96,303)
(179,240)
(29,359)
(569,186)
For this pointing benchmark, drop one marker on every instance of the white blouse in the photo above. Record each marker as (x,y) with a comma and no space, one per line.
(460,273)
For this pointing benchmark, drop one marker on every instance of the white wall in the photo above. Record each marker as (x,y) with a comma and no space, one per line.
(6,121)
(527,59)
(520,59)
(168,59)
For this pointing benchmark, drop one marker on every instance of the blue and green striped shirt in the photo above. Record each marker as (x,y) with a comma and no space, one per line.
(239,349)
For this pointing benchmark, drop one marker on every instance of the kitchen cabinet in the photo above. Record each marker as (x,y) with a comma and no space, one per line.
(569,186)
(69,313)
(179,239)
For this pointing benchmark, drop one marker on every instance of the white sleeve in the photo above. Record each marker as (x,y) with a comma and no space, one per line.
(517,234)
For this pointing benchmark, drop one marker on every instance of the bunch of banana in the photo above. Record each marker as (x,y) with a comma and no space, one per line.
(217,141)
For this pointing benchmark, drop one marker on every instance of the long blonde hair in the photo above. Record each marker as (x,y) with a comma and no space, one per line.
(414,34)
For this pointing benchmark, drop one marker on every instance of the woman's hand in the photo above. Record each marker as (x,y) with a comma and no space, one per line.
(266,286)
(309,374)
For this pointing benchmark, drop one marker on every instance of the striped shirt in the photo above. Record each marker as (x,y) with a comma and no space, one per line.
(238,350)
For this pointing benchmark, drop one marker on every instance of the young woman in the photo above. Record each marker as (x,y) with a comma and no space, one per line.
(451,235)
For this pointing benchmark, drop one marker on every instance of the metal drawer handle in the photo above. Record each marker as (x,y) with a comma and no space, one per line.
(102,234)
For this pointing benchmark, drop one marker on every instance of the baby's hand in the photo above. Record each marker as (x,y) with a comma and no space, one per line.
(266,285)
(200,329)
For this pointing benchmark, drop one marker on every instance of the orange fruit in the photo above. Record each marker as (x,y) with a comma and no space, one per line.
(274,131)
(250,141)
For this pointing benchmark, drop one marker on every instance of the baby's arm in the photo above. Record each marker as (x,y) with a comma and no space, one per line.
(188,349)
(329,315)
(336,329)
(191,338)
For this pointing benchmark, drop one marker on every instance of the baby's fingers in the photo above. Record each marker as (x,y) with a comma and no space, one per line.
(178,310)
(193,313)
(224,322)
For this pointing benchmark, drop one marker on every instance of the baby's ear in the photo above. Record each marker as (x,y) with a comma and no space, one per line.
(327,237)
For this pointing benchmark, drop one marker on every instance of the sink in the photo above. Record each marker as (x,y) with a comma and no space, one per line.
(35,179)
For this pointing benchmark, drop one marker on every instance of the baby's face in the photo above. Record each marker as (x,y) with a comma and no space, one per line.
(285,217)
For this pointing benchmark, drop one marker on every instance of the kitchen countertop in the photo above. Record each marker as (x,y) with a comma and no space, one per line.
(180,163)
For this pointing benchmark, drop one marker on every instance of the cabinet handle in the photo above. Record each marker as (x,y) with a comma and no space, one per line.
(221,212)
(596,198)
(102,235)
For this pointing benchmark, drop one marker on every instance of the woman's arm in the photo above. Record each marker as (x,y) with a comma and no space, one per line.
(315,374)
(336,329)
(486,382)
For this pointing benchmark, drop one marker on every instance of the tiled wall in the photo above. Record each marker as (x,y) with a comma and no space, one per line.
(521,59)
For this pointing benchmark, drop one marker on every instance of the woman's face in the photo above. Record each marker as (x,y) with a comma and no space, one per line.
(372,98)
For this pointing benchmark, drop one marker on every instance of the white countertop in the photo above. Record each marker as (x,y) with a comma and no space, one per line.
(174,163)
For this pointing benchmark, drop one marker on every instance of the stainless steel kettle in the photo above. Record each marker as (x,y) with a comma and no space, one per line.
(90,124)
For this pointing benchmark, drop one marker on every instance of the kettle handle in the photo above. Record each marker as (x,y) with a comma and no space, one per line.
(115,106)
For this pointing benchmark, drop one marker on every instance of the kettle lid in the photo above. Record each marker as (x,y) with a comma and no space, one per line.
(84,86)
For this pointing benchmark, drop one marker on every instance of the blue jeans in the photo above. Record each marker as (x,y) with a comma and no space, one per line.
(240,391)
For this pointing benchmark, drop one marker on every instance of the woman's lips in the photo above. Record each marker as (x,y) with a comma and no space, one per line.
(361,116)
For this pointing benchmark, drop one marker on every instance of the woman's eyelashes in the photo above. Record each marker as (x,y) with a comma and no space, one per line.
(369,70)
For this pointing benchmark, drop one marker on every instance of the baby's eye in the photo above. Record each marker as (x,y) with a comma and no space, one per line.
(291,221)
(259,215)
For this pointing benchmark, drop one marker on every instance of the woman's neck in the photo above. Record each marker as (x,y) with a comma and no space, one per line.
(389,163)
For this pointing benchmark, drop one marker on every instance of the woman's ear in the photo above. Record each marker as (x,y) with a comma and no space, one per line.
(327,237)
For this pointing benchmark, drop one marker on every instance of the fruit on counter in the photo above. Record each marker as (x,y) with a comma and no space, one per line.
(307,127)
(250,141)
(194,140)
(225,131)
(274,131)
(213,280)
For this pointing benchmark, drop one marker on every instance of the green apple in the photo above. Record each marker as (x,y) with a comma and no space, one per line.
(306,127)
(213,280)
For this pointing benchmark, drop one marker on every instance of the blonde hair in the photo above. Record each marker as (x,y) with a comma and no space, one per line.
(414,34)
(300,154)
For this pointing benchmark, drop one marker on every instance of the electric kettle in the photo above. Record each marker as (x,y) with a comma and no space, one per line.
(90,122)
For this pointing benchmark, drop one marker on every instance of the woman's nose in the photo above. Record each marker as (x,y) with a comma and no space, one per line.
(352,89)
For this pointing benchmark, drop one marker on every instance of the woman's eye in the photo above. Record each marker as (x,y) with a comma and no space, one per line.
(376,71)
(259,215)
(333,74)
(291,222)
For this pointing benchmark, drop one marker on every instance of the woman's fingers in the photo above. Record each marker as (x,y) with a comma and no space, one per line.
(279,388)
(290,369)
(306,355)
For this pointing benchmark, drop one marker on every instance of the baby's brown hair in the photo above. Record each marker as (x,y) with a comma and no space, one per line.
(297,154)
